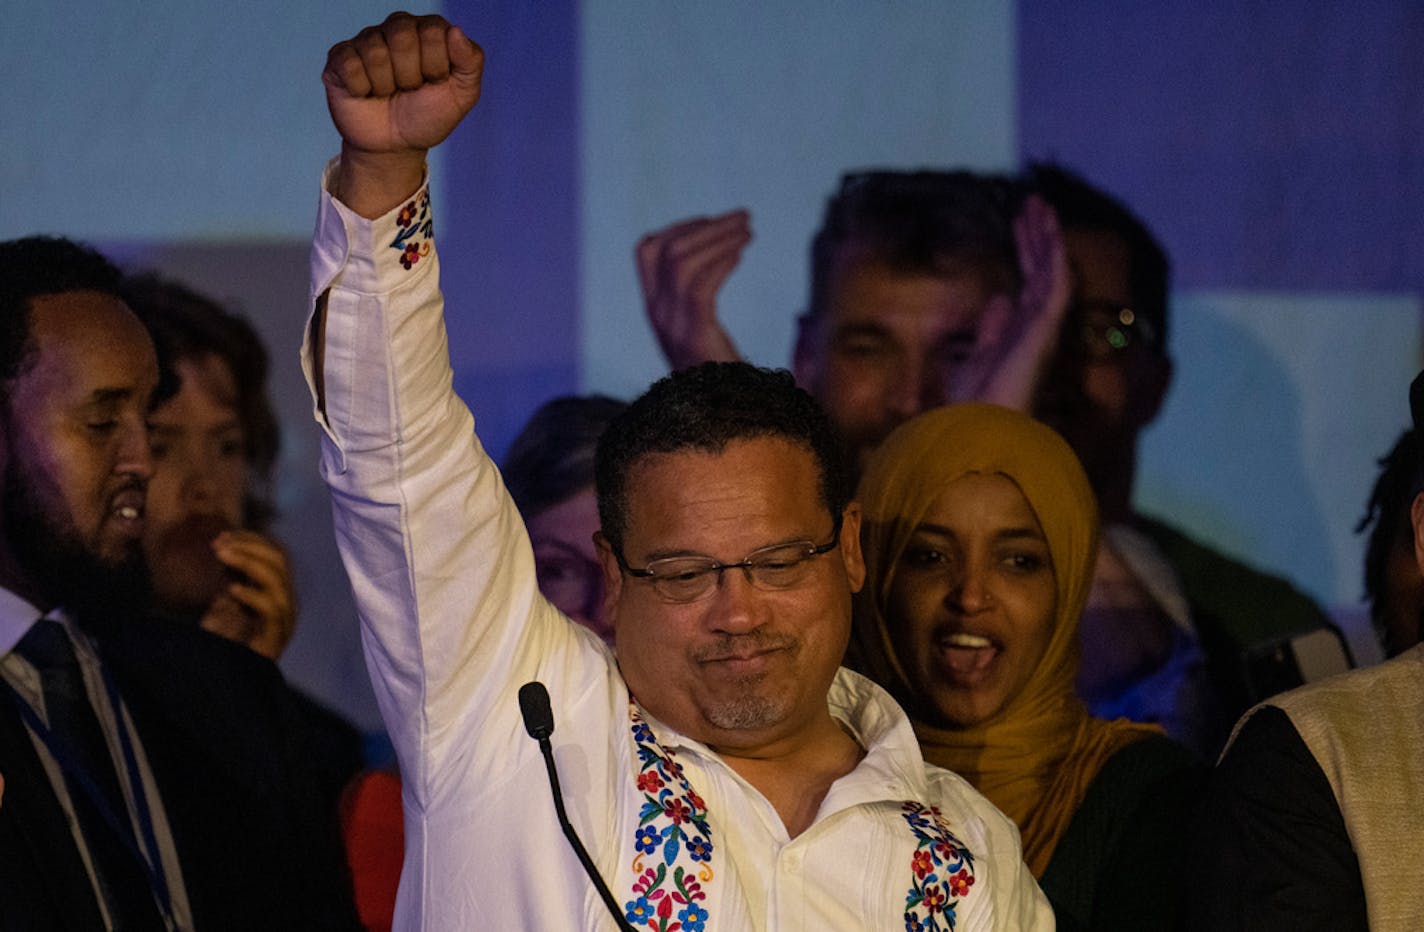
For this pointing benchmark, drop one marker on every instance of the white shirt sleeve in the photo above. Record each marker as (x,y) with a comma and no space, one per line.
(439,561)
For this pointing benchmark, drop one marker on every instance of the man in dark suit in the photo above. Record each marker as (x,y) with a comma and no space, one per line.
(150,782)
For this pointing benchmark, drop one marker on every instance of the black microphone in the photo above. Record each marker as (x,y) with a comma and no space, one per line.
(539,722)
(535,710)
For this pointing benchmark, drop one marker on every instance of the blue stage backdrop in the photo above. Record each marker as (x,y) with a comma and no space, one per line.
(1279,163)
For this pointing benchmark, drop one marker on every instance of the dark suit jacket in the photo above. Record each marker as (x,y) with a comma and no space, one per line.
(256,835)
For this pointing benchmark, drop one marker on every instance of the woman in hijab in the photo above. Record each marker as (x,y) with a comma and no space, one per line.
(979,535)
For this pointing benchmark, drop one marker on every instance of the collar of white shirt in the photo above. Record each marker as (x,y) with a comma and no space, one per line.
(16,616)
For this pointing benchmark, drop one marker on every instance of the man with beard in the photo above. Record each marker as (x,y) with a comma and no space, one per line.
(722,769)
(150,781)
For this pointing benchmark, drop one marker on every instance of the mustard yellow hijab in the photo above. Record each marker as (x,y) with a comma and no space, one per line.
(1037,756)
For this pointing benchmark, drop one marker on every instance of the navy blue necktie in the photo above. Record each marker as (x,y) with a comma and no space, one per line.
(91,778)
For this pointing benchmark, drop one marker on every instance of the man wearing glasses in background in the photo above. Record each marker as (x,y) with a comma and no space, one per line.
(722,770)
(1172,628)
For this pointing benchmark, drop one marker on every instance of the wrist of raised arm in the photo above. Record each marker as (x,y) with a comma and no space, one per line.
(373,183)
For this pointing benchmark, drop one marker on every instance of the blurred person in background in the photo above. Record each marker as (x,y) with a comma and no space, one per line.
(212,559)
(215,441)
(1394,586)
(1171,624)
(549,472)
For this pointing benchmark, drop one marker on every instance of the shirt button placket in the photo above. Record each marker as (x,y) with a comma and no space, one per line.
(791,889)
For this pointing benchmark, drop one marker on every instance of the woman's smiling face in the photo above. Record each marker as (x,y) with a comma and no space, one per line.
(972,605)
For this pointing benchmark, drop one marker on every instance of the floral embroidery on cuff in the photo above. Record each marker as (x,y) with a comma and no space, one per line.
(941,871)
(415,230)
(673,842)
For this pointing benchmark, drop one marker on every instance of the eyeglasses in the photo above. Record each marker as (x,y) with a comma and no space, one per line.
(1105,328)
(687,579)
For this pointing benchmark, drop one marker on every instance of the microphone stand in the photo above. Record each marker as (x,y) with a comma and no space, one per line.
(539,722)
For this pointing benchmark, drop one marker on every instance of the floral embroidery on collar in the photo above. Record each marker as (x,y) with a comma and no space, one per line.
(673,841)
(415,230)
(942,871)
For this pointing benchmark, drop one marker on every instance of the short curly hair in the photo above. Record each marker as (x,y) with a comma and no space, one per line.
(704,408)
(1386,513)
(34,267)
